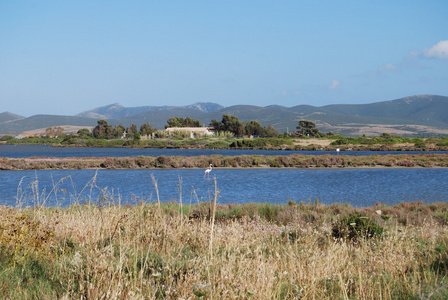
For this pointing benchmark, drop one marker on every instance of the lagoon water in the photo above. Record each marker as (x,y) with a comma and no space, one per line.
(358,187)
(19,151)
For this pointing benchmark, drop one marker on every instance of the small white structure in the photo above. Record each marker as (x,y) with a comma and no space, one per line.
(194,131)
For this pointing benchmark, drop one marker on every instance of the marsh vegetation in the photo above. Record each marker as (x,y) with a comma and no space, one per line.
(101,250)
(219,161)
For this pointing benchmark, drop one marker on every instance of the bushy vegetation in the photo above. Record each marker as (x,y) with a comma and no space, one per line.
(6,138)
(442,142)
(232,124)
(35,140)
(354,227)
(183,122)
(220,161)
(181,139)
(385,139)
(250,251)
(260,143)
(308,129)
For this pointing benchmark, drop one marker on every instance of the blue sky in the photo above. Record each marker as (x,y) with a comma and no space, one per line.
(65,57)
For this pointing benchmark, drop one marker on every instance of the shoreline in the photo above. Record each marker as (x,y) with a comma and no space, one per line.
(311,144)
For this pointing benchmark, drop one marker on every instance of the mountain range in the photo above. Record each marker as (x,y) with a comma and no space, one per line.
(116,110)
(423,115)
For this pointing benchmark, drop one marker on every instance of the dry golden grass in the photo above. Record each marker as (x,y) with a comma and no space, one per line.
(146,252)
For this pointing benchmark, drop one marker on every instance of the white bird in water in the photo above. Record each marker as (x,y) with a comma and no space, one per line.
(208,171)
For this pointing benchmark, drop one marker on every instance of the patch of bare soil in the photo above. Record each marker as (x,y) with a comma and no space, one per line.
(318,142)
(67,129)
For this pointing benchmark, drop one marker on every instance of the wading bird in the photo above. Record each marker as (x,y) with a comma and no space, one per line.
(208,171)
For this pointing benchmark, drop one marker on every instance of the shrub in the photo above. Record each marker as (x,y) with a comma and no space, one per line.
(340,142)
(268,211)
(6,138)
(24,237)
(442,142)
(419,143)
(440,263)
(354,227)
(217,144)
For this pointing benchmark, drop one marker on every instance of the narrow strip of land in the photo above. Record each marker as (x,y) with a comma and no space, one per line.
(219,161)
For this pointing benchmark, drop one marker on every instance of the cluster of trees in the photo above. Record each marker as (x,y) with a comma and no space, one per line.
(308,128)
(105,131)
(232,124)
(181,122)
(228,123)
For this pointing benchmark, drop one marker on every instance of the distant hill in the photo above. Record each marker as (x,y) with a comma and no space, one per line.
(429,109)
(416,115)
(159,118)
(6,117)
(422,115)
(116,110)
(204,106)
(43,121)
(425,115)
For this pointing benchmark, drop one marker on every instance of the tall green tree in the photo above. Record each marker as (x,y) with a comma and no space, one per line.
(254,128)
(147,129)
(181,122)
(190,122)
(232,124)
(174,122)
(118,131)
(110,132)
(270,131)
(99,131)
(308,128)
(84,132)
(217,125)
(132,129)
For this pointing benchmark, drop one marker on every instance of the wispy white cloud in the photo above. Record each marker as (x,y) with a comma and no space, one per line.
(387,67)
(382,71)
(334,84)
(438,51)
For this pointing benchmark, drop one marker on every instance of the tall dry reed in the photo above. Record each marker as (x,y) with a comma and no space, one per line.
(102,250)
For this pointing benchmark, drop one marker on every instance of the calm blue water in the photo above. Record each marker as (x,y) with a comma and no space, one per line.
(359,187)
(18,151)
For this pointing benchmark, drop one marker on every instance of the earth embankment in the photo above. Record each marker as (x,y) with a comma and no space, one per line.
(220,161)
